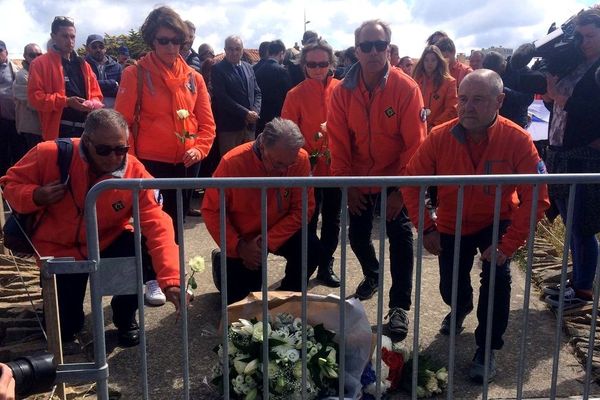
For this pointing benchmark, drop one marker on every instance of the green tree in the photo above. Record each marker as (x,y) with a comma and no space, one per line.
(133,40)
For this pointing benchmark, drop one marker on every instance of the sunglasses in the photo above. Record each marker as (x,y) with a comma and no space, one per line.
(104,150)
(314,64)
(165,41)
(33,55)
(97,46)
(380,45)
(61,19)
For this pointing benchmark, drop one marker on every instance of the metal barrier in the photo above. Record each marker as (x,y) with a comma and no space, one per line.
(131,270)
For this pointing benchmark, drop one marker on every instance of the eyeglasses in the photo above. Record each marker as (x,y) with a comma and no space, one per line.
(95,46)
(104,150)
(165,41)
(380,45)
(33,55)
(314,64)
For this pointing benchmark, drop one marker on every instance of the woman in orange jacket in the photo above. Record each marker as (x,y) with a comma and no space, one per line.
(306,104)
(174,129)
(437,87)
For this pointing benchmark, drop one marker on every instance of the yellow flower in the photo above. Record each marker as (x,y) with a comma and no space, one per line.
(183,113)
(196,264)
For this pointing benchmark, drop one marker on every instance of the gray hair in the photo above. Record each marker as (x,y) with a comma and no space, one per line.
(373,22)
(281,130)
(494,61)
(487,77)
(103,120)
(232,38)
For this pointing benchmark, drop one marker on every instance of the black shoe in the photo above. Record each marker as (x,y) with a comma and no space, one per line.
(477,369)
(327,276)
(194,212)
(129,336)
(215,260)
(398,323)
(367,288)
(460,318)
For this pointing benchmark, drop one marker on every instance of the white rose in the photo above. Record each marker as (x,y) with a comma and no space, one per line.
(183,113)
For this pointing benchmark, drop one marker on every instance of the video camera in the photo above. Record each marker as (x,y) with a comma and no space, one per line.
(33,374)
(558,52)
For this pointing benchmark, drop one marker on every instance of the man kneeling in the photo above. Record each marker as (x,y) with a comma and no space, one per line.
(277,152)
(33,186)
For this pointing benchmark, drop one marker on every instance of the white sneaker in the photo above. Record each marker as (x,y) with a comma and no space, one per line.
(154,295)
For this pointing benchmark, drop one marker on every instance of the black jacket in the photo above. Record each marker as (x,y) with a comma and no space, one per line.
(193,60)
(233,98)
(516,99)
(274,83)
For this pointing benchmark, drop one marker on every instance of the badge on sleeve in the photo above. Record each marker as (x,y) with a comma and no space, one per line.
(541,167)
(423,114)
(389,112)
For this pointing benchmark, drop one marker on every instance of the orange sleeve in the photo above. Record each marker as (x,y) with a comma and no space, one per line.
(340,141)
(290,109)
(205,135)
(94,91)
(450,102)
(412,127)
(126,99)
(36,92)
(527,161)
(211,213)
(279,233)
(157,228)
(422,163)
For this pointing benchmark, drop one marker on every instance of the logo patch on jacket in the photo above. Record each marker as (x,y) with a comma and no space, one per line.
(436,96)
(286,193)
(541,167)
(423,114)
(118,206)
(389,112)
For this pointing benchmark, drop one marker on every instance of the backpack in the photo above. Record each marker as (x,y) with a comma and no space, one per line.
(19,228)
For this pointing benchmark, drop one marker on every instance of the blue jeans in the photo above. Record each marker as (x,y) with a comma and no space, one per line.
(584,248)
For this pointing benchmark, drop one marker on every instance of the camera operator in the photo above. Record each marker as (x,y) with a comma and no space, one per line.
(574,138)
(7,383)
(516,101)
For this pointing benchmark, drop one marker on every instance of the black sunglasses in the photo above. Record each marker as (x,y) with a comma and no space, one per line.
(104,150)
(61,19)
(33,55)
(314,64)
(165,41)
(380,45)
(97,46)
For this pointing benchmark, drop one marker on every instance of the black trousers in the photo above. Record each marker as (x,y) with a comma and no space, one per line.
(328,203)
(469,244)
(241,281)
(165,170)
(71,290)
(12,145)
(400,236)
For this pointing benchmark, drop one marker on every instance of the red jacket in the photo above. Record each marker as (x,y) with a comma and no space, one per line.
(509,150)
(61,228)
(458,71)
(284,205)
(377,134)
(46,90)
(441,102)
(157,139)
(306,104)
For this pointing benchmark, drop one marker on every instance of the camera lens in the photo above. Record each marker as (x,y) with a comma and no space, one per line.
(33,374)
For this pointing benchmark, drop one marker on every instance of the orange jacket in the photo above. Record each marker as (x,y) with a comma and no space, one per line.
(441,102)
(509,151)
(284,205)
(377,134)
(458,71)
(157,139)
(46,90)
(61,226)
(306,104)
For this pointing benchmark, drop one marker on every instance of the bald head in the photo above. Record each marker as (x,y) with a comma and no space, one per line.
(480,96)
(485,78)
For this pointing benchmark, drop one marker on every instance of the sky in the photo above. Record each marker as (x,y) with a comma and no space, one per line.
(472,24)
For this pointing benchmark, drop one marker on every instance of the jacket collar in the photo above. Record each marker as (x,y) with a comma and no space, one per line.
(352,78)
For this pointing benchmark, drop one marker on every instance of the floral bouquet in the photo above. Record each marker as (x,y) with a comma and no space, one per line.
(182,115)
(396,372)
(245,350)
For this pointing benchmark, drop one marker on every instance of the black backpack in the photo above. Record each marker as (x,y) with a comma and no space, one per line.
(19,228)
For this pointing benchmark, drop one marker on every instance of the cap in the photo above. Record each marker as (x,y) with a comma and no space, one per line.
(94,38)
(2,45)
(123,50)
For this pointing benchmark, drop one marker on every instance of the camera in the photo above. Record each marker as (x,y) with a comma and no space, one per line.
(33,374)
(558,52)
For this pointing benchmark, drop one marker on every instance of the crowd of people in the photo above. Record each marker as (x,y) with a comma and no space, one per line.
(365,111)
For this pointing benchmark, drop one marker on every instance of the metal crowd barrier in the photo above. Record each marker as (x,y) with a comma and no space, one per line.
(130,272)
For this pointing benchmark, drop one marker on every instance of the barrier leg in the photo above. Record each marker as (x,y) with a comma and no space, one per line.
(52,326)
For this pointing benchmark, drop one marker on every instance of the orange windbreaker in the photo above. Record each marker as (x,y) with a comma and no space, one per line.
(61,228)
(458,71)
(306,104)
(46,90)
(284,205)
(374,134)
(442,102)
(159,125)
(510,150)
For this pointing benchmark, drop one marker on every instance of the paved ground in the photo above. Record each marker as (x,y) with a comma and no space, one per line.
(164,343)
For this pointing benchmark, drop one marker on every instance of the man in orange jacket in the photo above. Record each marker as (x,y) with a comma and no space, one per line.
(457,69)
(276,152)
(376,121)
(480,142)
(33,186)
(62,86)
